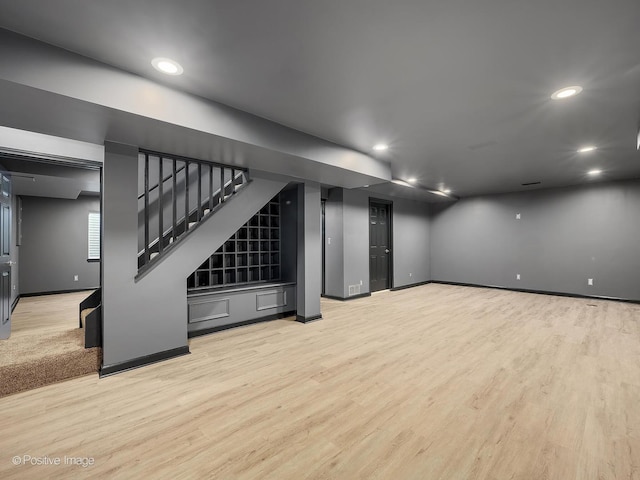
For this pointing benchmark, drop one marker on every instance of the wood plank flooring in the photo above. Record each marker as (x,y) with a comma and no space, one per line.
(433,382)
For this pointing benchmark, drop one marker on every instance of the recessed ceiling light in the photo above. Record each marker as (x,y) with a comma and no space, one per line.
(401,182)
(566,92)
(589,148)
(380,147)
(168,66)
(447,191)
(412,180)
(595,172)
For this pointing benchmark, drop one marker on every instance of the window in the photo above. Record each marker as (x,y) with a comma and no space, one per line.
(94,236)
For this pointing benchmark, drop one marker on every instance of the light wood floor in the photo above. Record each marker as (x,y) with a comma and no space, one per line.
(434,382)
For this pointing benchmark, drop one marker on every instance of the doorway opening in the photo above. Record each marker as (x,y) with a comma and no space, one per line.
(48,234)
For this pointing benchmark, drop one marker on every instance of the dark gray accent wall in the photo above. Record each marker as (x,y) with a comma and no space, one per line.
(563,238)
(54,245)
(347,254)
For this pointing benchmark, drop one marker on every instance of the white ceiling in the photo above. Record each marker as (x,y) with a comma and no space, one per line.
(459,89)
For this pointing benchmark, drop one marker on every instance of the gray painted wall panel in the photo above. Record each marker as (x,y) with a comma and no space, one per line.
(215,309)
(334,247)
(54,245)
(411,243)
(289,234)
(356,240)
(564,237)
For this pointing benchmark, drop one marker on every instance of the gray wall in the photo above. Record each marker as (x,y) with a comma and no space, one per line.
(411,243)
(334,248)
(54,245)
(347,256)
(564,237)
(309,252)
(289,234)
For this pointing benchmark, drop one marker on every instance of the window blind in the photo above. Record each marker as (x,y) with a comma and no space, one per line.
(94,236)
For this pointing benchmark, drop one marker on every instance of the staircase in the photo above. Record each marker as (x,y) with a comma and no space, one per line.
(176,194)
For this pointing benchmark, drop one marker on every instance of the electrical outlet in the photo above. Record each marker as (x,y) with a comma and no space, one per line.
(75,278)
(517,216)
(360,282)
(328,240)
(517,276)
(590,281)
(411,274)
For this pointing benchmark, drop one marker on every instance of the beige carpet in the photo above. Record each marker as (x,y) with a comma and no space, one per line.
(45,346)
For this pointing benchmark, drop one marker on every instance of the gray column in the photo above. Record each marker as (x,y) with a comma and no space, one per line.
(309,252)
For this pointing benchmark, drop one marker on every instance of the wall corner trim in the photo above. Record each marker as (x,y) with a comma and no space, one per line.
(302,319)
(411,285)
(112,369)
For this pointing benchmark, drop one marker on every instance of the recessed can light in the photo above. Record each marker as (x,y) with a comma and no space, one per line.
(412,180)
(587,149)
(380,147)
(168,66)
(595,172)
(566,92)
(400,182)
(447,191)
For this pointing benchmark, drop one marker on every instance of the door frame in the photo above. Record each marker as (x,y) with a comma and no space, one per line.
(6,269)
(323,206)
(389,204)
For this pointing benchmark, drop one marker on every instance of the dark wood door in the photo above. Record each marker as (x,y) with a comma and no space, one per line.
(379,247)
(5,256)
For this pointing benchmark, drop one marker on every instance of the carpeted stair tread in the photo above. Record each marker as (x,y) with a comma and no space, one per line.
(48,370)
(33,361)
